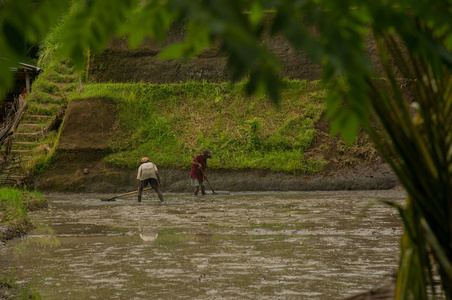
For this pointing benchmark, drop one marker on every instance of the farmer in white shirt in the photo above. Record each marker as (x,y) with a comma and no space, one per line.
(148,174)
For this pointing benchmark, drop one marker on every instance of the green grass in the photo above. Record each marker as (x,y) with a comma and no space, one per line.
(171,122)
(12,204)
(15,203)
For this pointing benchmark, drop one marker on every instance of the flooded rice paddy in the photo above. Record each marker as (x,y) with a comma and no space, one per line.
(292,245)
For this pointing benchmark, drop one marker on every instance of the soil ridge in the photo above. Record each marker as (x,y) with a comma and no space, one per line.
(79,175)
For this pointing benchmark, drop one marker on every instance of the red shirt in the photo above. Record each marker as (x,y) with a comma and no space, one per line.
(195,171)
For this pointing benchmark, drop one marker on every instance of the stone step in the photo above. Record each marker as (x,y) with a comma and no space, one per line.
(11,168)
(18,145)
(35,118)
(14,172)
(27,136)
(26,157)
(12,176)
(17,151)
(27,127)
(12,179)
(43,109)
(23,155)
(26,143)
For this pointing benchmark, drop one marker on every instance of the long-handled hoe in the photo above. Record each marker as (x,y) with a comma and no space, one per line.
(204,175)
(129,193)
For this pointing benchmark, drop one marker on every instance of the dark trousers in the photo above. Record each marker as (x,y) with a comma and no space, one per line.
(153,183)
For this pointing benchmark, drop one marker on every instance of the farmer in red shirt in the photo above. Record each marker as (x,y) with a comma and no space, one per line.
(198,171)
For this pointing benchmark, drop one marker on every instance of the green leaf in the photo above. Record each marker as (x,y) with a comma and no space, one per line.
(152,20)
(174,51)
(256,13)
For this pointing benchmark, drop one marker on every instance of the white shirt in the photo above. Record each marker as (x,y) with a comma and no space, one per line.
(147,170)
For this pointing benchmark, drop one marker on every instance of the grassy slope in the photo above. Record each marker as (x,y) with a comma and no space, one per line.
(169,123)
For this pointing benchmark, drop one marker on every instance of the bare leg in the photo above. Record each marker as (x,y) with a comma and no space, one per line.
(140,190)
(157,190)
(196,190)
(203,190)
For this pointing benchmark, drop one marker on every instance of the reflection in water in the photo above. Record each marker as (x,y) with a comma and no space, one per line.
(147,236)
(298,245)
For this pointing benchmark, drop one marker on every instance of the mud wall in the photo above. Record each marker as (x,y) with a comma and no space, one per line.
(84,171)
(88,124)
(120,64)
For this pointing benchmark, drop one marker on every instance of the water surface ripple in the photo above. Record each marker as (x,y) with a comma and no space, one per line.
(292,245)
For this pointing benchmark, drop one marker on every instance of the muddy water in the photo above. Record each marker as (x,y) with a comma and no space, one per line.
(303,245)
